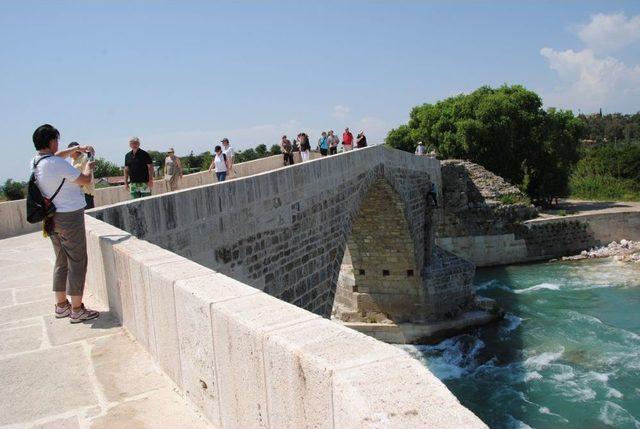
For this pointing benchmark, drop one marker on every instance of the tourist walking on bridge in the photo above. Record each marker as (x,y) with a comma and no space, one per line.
(60,184)
(347,140)
(172,170)
(231,156)
(138,171)
(323,145)
(333,142)
(305,147)
(221,163)
(79,160)
(287,151)
(361,140)
(421,149)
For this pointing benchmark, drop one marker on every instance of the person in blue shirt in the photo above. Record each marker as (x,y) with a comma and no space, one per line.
(323,144)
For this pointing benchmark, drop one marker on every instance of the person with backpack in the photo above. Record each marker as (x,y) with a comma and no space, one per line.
(56,197)
(221,163)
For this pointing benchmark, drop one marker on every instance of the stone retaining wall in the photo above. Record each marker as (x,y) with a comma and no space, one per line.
(13,213)
(543,239)
(249,360)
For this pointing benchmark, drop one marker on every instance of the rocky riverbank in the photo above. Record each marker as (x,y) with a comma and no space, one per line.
(624,251)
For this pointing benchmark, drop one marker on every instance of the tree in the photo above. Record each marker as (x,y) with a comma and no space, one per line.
(104,168)
(14,190)
(275,150)
(261,150)
(207,158)
(503,129)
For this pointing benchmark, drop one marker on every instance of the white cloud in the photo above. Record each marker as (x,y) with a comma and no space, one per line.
(589,82)
(609,33)
(340,111)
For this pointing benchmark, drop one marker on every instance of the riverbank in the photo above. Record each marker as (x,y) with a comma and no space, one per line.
(624,251)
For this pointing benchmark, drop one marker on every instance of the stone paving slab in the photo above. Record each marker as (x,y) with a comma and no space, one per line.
(57,375)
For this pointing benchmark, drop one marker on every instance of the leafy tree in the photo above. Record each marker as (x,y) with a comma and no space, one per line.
(261,150)
(275,150)
(105,168)
(207,158)
(14,190)
(157,158)
(503,129)
(246,155)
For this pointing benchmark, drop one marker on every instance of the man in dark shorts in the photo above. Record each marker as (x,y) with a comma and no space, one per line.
(138,171)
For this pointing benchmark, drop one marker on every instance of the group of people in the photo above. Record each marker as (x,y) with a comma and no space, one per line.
(328,144)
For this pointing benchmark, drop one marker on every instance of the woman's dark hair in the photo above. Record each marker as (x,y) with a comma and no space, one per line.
(43,135)
(218,148)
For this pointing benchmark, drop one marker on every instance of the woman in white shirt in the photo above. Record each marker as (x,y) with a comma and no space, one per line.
(67,235)
(221,163)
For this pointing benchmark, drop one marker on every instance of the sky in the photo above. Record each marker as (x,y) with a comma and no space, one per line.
(185,74)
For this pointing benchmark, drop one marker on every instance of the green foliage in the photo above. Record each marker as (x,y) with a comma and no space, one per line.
(207,158)
(247,155)
(608,172)
(514,199)
(503,129)
(104,168)
(275,150)
(612,128)
(14,190)
(261,150)
(157,157)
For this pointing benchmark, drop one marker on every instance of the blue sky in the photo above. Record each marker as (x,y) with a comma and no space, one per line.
(185,74)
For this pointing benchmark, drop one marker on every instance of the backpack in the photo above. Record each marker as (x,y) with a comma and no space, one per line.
(39,207)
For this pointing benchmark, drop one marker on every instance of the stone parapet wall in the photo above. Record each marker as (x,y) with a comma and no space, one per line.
(249,360)
(13,213)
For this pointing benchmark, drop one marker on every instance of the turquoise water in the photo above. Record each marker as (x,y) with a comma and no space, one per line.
(567,354)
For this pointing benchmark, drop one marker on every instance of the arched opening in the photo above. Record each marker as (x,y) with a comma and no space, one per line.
(379,278)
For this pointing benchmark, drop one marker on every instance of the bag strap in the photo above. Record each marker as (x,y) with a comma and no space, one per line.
(57,190)
(35,164)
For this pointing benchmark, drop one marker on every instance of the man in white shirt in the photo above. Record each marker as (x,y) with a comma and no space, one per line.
(67,235)
(230,154)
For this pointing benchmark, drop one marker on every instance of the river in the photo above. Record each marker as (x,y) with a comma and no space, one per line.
(566,355)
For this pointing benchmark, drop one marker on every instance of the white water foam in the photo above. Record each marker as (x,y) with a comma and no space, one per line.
(542,360)
(541,286)
(613,414)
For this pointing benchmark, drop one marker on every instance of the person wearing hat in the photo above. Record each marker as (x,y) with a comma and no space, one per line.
(172,170)
(230,154)
(361,140)
(79,161)
(421,149)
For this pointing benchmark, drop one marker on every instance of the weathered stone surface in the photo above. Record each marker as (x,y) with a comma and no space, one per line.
(158,409)
(239,326)
(37,293)
(45,375)
(62,423)
(193,300)
(25,311)
(6,298)
(20,339)
(359,402)
(60,331)
(122,367)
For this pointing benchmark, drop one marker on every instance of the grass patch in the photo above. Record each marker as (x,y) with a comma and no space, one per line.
(514,199)
(604,188)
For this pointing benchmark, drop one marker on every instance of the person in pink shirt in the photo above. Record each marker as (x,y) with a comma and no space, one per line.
(347,140)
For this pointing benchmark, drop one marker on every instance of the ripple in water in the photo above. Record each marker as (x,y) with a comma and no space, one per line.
(566,354)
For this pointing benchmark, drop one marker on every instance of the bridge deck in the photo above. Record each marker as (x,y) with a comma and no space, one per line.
(53,374)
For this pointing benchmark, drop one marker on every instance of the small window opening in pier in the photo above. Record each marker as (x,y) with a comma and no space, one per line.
(409,273)
(385,272)
(361,272)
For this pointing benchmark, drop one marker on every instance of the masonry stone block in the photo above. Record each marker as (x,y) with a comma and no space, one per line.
(239,327)
(194,297)
(162,278)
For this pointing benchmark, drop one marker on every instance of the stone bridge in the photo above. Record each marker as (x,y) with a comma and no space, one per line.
(185,273)
(285,232)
